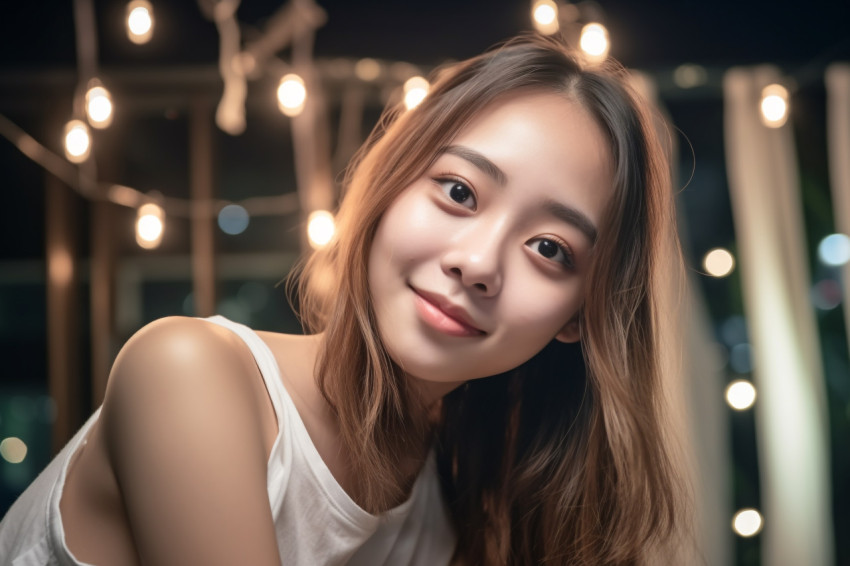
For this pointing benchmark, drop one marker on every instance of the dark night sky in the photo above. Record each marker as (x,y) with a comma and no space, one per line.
(646,34)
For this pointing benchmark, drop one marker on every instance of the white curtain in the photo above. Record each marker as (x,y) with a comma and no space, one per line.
(791,413)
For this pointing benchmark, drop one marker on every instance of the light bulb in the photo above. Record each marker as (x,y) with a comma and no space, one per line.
(774,106)
(320,228)
(139,21)
(747,522)
(99,107)
(718,262)
(77,141)
(291,95)
(415,91)
(150,224)
(740,394)
(594,42)
(544,15)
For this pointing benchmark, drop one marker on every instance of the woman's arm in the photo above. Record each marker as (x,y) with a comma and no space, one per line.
(184,435)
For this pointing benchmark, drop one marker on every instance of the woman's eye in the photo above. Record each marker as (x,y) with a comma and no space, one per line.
(458,192)
(553,250)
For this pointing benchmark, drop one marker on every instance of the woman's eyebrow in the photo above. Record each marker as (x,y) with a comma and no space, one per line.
(478,160)
(559,210)
(571,216)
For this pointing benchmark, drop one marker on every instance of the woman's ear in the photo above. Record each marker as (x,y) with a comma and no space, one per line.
(571,331)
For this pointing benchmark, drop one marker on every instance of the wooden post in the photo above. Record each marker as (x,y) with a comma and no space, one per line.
(102,296)
(201,181)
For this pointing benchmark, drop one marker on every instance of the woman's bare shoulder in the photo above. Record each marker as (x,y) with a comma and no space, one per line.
(184,434)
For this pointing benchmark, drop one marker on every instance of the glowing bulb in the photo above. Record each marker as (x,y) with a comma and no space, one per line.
(415,91)
(320,228)
(150,223)
(291,95)
(594,42)
(834,250)
(544,14)
(13,450)
(99,107)
(774,105)
(77,141)
(367,69)
(718,262)
(139,21)
(747,522)
(740,394)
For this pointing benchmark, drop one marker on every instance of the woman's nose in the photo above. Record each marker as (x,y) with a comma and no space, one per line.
(476,262)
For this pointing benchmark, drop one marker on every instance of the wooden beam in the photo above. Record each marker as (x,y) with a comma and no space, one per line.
(201,189)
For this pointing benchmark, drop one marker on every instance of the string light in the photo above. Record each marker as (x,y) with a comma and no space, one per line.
(774,106)
(740,394)
(544,15)
(718,262)
(415,90)
(77,141)
(320,228)
(99,107)
(150,224)
(594,42)
(747,522)
(291,95)
(139,21)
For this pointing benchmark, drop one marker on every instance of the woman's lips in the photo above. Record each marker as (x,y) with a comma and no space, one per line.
(432,309)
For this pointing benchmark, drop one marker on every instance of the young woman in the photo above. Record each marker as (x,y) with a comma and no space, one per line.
(480,379)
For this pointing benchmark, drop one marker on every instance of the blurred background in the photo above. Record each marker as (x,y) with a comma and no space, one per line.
(166,158)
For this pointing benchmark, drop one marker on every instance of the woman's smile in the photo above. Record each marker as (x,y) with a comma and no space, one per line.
(439,313)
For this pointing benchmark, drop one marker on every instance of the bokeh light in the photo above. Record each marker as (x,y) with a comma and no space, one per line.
(690,75)
(320,228)
(99,107)
(77,141)
(741,358)
(594,42)
(13,450)
(150,224)
(718,262)
(291,95)
(139,21)
(740,394)
(544,15)
(826,294)
(774,105)
(415,91)
(233,219)
(367,69)
(834,250)
(747,522)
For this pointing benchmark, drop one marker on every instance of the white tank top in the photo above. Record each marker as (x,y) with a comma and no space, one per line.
(316,522)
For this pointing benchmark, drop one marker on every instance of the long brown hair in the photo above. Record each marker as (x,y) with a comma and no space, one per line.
(563,459)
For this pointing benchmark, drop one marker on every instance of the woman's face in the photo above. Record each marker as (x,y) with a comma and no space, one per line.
(482,261)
